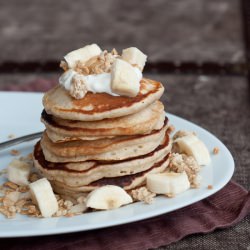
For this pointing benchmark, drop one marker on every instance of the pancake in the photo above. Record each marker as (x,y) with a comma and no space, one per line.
(126,182)
(142,122)
(84,173)
(98,106)
(117,148)
(59,137)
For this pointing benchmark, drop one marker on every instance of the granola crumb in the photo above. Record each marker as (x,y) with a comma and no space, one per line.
(181,133)
(64,65)
(23,189)
(171,129)
(81,199)
(81,68)
(34,177)
(21,203)
(114,52)
(69,215)
(7,202)
(32,209)
(97,64)
(78,88)
(67,204)
(64,212)
(60,203)
(216,150)
(12,209)
(170,195)
(143,194)
(14,152)
(24,212)
(57,197)
(209,187)
(10,185)
(13,196)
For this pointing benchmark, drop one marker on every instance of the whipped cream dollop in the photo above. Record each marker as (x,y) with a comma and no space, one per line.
(89,69)
(95,83)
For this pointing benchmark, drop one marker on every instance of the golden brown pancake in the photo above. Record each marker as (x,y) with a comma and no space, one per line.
(84,173)
(98,106)
(142,122)
(117,148)
(127,182)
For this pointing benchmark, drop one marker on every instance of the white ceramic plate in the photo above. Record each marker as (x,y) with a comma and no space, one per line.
(20,115)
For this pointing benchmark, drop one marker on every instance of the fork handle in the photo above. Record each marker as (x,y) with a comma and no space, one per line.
(19,140)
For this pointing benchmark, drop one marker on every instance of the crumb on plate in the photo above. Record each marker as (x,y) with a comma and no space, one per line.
(14,152)
(216,150)
(143,194)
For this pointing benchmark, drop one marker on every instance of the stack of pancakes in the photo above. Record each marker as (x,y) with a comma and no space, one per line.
(102,139)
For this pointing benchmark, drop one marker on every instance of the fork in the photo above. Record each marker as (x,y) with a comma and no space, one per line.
(19,140)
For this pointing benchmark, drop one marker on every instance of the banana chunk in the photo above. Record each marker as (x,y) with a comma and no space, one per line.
(42,194)
(18,172)
(135,57)
(108,197)
(83,54)
(125,80)
(168,183)
(192,145)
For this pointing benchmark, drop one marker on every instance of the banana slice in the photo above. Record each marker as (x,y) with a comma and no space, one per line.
(168,183)
(124,79)
(42,194)
(135,57)
(18,172)
(192,145)
(108,197)
(83,54)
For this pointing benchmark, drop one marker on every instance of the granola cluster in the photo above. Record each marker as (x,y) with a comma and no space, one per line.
(181,162)
(68,208)
(143,194)
(78,88)
(95,65)
(17,200)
